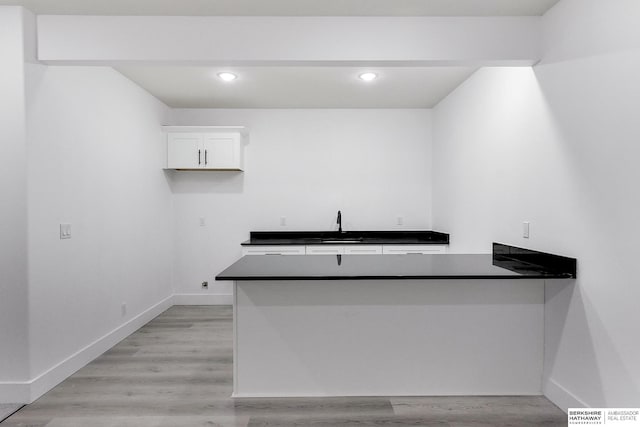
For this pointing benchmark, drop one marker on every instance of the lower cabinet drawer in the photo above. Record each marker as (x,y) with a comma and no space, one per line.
(344,250)
(413,249)
(273,250)
(363,250)
(325,250)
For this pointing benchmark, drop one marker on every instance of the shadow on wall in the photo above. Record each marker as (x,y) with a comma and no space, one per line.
(615,371)
(570,334)
(205,182)
(577,336)
(589,351)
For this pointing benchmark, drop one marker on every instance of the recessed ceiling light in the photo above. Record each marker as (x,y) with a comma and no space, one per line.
(227,77)
(367,77)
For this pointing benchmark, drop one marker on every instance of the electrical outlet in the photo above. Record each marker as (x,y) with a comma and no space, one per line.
(65,231)
(399,220)
(203,221)
(123,309)
(525,229)
(205,285)
(283,221)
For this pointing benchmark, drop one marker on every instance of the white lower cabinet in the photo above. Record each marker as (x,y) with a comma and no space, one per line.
(363,250)
(273,250)
(413,249)
(344,250)
(325,250)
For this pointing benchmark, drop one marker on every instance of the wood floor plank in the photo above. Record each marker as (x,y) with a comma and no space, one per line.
(135,421)
(181,421)
(343,421)
(21,421)
(480,405)
(7,409)
(178,371)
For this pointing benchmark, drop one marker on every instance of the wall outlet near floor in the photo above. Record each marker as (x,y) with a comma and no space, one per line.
(525,229)
(399,220)
(205,285)
(123,309)
(283,221)
(65,231)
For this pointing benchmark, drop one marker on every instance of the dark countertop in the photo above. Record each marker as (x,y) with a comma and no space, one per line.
(502,264)
(395,237)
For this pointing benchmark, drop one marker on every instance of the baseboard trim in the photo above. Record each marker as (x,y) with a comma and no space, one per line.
(15,392)
(561,397)
(202,299)
(58,373)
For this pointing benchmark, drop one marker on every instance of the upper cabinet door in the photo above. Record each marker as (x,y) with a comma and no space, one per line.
(222,151)
(204,147)
(184,151)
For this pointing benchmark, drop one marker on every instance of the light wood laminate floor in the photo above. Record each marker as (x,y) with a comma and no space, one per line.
(177,371)
(7,409)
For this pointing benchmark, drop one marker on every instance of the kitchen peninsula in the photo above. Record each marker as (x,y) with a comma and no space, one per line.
(444,324)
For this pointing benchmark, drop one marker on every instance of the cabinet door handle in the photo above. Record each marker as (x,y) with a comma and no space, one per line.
(205,157)
(198,157)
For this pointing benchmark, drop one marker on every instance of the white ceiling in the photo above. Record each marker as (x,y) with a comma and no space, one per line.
(289,7)
(298,87)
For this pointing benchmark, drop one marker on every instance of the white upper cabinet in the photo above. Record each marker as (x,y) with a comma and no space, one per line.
(222,151)
(204,147)
(184,150)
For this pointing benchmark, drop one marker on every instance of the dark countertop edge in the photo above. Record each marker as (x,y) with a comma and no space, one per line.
(319,278)
(380,237)
(519,259)
(310,242)
(524,263)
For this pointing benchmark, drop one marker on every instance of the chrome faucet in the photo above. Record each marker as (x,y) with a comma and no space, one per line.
(339,222)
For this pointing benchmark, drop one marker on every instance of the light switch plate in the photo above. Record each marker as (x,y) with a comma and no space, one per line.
(65,231)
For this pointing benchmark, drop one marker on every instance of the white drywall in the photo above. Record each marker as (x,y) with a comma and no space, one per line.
(303,165)
(557,146)
(583,28)
(95,161)
(14,363)
(285,40)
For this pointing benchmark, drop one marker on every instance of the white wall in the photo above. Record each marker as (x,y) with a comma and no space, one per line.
(96,155)
(304,165)
(14,366)
(557,145)
(577,28)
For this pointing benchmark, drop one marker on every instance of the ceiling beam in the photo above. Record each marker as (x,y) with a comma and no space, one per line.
(282,41)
